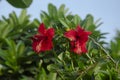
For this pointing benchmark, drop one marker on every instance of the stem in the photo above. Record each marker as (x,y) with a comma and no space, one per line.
(103,50)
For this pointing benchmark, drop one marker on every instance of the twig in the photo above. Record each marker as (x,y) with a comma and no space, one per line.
(103,50)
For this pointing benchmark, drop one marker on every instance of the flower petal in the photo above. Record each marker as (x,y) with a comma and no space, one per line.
(78,39)
(43,40)
(47,45)
(83,48)
(79,29)
(71,35)
(42,29)
(78,48)
(50,32)
(84,36)
(36,45)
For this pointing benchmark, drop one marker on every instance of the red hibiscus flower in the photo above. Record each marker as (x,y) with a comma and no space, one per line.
(43,40)
(78,39)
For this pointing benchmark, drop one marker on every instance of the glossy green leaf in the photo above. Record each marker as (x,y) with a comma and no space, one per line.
(20,3)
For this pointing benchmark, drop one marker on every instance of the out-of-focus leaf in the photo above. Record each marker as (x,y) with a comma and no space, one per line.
(4,29)
(36,22)
(13,16)
(3,55)
(52,67)
(52,11)
(22,16)
(26,78)
(20,49)
(115,46)
(88,21)
(42,75)
(20,3)
(62,11)
(76,20)
(52,76)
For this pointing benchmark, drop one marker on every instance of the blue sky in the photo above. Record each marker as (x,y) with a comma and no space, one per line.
(107,10)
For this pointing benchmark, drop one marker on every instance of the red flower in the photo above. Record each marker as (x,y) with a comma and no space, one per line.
(78,39)
(43,40)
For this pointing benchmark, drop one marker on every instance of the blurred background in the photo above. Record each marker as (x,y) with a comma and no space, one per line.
(106,10)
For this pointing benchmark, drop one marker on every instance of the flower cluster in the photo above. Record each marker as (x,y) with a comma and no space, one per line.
(43,40)
(78,39)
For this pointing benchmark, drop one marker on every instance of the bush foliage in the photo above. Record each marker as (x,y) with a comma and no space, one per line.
(19,62)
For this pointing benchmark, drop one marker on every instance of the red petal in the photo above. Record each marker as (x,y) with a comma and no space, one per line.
(79,29)
(77,50)
(71,35)
(37,37)
(36,45)
(42,29)
(42,45)
(46,45)
(84,37)
(50,32)
(85,33)
(83,48)
(77,47)
(88,32)
(43,40)
(78,39)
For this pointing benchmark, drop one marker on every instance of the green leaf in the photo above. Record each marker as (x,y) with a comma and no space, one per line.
(42,75)
(52,11)
(14,18)
(76,20)
(5,29)
(3,55)
(20,3)
(22,16)
(64,23)
(52,67)
(45,18)
(36,22)
(98,23)
(52,76)
(88,22)
(12,46)
(20,48)
(62,11)
(26,78)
